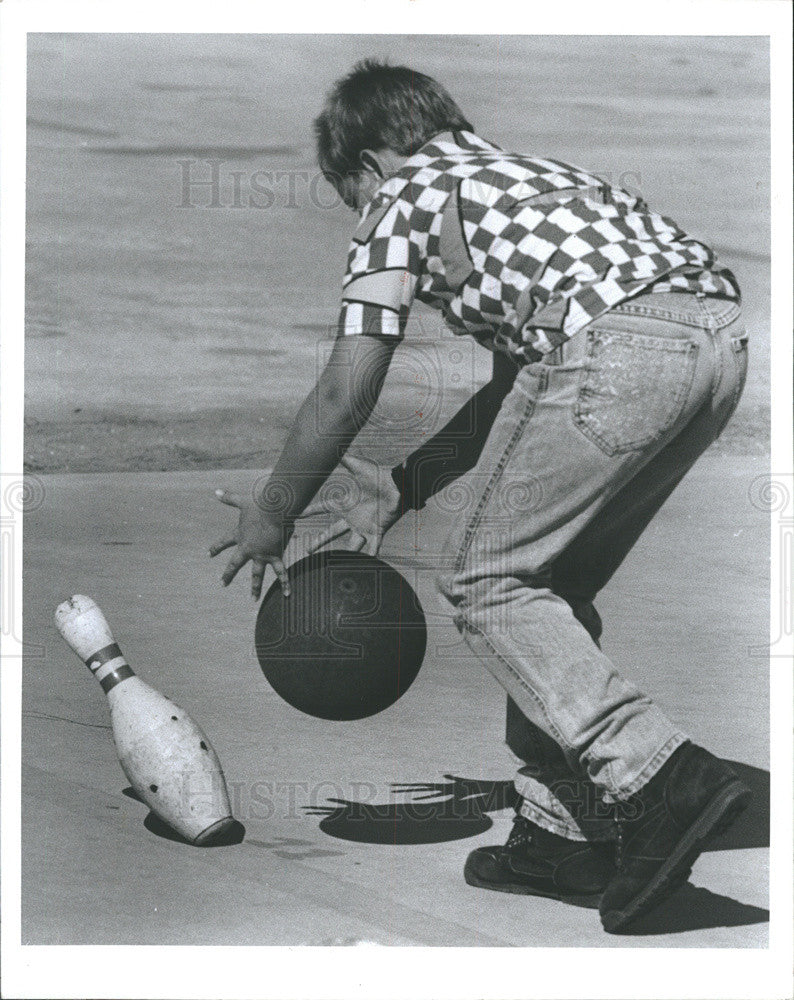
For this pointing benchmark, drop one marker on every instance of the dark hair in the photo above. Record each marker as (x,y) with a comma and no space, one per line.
(377,106)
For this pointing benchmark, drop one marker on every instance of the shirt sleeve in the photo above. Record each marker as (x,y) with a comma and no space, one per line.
(382,272)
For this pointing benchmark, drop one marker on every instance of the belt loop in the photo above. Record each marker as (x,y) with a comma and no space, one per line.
(557,356)
(711,323)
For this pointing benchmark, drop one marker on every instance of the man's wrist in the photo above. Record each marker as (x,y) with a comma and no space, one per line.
(276,502)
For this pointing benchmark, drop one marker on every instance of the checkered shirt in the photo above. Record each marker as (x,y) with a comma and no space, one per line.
(517,251)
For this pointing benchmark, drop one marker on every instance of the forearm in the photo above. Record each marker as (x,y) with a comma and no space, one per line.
(321,433)
(328,421)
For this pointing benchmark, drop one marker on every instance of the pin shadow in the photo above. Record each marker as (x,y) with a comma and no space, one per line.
(233,835)
(453,809)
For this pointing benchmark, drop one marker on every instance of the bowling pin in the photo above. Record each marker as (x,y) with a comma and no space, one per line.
(169,761)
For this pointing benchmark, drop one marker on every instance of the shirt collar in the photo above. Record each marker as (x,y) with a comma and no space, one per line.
(459,141)
(443,144)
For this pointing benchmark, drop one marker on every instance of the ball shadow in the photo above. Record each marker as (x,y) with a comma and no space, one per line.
(436,812)
(399,824)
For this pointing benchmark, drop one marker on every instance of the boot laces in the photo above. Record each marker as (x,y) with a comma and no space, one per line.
(618,842)
(520,835)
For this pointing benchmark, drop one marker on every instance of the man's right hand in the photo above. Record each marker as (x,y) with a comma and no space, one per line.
(365,508)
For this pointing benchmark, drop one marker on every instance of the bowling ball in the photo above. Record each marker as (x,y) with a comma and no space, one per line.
(348,642)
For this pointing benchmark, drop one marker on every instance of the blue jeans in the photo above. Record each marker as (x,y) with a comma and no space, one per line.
(587,445)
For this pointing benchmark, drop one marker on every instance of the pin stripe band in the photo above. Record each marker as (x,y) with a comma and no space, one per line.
(108,672)
(116,677)
(95,660)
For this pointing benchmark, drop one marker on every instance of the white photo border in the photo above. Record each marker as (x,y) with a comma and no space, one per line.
(369,971)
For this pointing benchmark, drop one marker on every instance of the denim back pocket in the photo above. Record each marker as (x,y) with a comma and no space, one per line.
(634,388)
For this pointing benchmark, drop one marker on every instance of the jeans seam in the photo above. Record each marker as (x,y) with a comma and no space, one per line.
(609,776)
(687,318)
(539,818)
(571,830)
(711,328)
(740,382)
(737,391)
(555,733)
(650,768)
(495,476)
(723,319)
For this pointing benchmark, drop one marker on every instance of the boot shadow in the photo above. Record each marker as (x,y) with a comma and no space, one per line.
(692,908)
(751,828)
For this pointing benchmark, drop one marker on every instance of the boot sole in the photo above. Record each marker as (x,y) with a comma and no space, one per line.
(589,901)
(715,819)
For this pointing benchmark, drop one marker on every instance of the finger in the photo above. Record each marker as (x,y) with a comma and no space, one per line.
(234,565)
(294,549)
(337,529)
(373,545)
(257,575)
(230,499)
(316,507)
(269,579)
(281,573)
(352,462)
(221,546)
